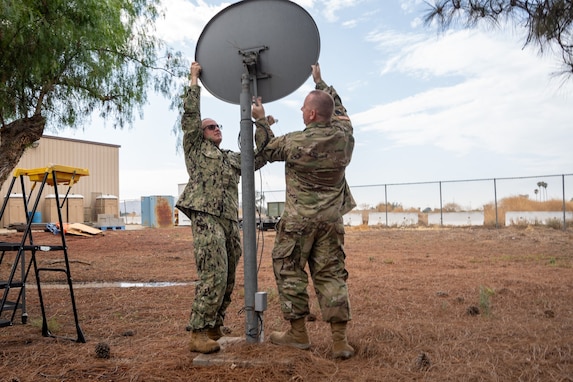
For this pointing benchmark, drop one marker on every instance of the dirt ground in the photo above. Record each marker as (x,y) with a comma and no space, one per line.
(441,304)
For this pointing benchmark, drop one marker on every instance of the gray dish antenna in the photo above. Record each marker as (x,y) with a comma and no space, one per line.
(276,40)
(255,48)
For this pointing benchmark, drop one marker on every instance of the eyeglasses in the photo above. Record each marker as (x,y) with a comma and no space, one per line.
(213,127)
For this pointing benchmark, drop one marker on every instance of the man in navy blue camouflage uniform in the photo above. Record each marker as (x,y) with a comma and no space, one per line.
(210,200)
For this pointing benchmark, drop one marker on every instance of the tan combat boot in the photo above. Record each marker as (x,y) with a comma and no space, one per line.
(215,333)
(340,347)
(201,343)
(295,337)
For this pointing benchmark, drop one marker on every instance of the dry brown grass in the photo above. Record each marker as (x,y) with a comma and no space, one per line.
(411,291)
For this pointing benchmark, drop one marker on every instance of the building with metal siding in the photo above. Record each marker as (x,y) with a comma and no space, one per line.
(101,159)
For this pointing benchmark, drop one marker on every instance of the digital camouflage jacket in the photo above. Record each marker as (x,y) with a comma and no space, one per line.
(315,163)
(213,173)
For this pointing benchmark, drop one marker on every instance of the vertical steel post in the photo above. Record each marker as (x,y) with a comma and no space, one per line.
(495,200)
(386,202)
(564,203)
(249,222)
(441,206)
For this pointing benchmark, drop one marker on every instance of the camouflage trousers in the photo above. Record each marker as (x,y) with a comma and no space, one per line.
(217,249)
(321,246)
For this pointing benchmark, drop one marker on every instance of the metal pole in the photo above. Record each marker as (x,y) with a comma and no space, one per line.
(495,201)
(386,202)
(564,203)
(441,206)
(249,221)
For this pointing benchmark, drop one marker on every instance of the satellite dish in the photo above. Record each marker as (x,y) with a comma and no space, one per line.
(276,40)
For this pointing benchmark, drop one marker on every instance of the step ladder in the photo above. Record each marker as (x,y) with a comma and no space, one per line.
(17,259)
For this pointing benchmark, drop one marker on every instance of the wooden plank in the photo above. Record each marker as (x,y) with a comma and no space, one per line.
(83,229)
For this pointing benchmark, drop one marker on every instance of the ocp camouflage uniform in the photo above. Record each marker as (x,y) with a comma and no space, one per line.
(210,200)
(311,229)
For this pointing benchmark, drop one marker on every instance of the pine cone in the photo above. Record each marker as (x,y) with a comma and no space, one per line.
(102,350)
(423,361)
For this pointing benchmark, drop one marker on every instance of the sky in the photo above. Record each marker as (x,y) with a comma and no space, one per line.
(426,107)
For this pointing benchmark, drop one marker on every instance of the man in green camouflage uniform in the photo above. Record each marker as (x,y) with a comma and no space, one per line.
(311,229)
(210,200)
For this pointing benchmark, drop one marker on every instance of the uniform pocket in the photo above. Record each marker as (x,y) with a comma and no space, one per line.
(286,240)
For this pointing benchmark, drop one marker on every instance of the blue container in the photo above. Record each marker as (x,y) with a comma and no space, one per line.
(157,211)
(37,218)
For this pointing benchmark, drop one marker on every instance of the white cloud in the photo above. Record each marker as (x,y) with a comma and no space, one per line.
(504,99)
(184,20)
(331,7)
(350,23)
(305,3)
(409,6)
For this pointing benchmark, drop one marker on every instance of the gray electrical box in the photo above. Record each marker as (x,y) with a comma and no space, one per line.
(260,301)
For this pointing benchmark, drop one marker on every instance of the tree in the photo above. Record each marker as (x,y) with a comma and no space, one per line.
(543,185)
(549,23)
(62,60)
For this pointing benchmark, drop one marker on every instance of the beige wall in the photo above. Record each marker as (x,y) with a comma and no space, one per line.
(102,161)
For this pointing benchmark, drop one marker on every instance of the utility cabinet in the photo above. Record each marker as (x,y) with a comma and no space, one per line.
(157,211)
(106,205)
(14,213)
(72,209)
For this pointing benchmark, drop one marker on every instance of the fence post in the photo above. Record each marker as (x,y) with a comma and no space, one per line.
(441,207)
(495,202)
(564,203)
(386,202)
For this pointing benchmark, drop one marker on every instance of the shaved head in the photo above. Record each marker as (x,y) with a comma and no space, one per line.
(322,103)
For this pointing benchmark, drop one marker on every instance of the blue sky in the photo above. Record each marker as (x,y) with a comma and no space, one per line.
(466,104)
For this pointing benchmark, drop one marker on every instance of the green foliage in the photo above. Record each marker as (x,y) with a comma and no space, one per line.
(53,324)
(548,23)
(485,294)
(552,261)
(68,58)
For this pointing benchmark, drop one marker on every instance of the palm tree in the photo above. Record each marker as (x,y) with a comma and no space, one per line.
(543,185)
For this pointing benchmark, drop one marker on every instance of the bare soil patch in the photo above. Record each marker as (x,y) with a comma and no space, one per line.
(428,305)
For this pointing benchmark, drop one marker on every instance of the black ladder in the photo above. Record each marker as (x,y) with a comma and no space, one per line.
(24,253)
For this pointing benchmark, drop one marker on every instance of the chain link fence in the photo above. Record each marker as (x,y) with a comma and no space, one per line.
(495,202)
(492,202)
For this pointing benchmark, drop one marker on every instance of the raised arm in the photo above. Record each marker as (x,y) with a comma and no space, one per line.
(340,117)
(191,118)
